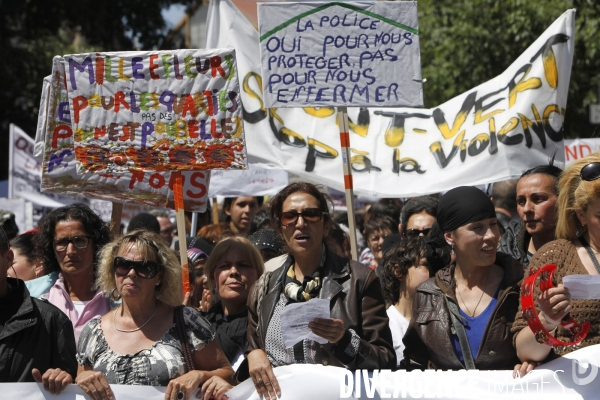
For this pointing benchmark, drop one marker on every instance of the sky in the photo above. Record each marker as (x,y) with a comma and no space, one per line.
(173,15)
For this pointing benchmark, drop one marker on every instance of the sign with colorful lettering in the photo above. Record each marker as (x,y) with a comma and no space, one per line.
(156,111)
(61,173)
(489,133)
(340,54)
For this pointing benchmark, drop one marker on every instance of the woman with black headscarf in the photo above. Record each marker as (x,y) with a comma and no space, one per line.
(462,316)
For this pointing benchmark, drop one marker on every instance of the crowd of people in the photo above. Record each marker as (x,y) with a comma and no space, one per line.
(437,285)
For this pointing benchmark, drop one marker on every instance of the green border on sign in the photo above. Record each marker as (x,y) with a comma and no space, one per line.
(354,8)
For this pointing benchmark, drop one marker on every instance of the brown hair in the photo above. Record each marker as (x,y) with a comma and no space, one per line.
(225,246)
(276,203)
(214,233)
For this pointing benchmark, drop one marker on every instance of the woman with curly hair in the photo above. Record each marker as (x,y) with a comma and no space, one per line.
(68,240)
(149,339)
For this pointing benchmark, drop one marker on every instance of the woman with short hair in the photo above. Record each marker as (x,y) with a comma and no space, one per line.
(149,339)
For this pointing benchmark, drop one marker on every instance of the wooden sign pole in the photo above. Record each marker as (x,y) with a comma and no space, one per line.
(180,217)
(215,211)
(115,219)
(348,185)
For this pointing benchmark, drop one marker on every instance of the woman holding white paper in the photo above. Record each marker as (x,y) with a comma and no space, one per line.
(575,251)
(357,334)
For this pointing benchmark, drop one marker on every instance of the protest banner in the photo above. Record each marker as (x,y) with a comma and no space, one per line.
(252,182)
(25,175)
(155,111)
(573,376)
(61,175)
(579,148)
(492,132)
(324,54)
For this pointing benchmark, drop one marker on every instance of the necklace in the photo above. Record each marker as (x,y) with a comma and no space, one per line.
(482,292)
(131,330)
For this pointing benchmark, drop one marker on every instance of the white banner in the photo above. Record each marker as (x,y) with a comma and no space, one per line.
(252,182)
(23,214)
(340,54)
(579,148)
(574,376)
(490,133)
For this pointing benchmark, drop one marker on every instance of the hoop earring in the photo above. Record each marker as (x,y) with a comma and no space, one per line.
(115,297)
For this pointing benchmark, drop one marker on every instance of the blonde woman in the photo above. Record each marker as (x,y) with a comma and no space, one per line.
(575,251)
(231,270)
(144,341)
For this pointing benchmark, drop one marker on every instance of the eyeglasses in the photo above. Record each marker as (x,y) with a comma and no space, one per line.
(417,232)
(80,242)
(143,269)
(288,218)
(590,172)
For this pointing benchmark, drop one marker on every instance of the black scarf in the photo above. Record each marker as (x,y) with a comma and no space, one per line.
(230,330)
(463,205)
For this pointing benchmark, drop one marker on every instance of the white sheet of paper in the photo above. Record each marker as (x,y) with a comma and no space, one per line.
(295,318)
(583,287)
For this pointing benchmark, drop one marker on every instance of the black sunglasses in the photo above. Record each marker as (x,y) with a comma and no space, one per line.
(288,218)
(590,172)
(143,269)
(416,232)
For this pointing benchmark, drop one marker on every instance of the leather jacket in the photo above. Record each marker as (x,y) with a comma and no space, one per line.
(356,299)
(36,335)
(428,342)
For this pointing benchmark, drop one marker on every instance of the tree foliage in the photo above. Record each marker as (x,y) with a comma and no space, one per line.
(32,32)
(464,44)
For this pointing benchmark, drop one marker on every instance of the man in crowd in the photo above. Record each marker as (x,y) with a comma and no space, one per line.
(35,336)
(167,229)
(416,219)
(504,197)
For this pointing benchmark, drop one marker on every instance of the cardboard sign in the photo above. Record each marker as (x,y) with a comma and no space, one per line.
(492,132)
(340,54)
(252,182)
(156,111)
(60,173)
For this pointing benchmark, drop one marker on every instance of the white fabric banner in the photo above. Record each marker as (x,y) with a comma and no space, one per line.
(340,54)
(574,376)
(254,181)
(490,133)
(579,148)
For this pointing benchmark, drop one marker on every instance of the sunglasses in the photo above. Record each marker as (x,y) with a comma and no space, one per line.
(143,269)
(80,242)
(590,172)
(288,218)
(411,233)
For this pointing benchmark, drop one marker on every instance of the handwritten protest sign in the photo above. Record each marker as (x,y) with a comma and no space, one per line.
(490,133)
(340,53)
(156,111)
(252,182)
(61,175)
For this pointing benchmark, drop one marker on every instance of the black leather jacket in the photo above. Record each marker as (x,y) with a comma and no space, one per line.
(38,335)
(356,299)
(428,342)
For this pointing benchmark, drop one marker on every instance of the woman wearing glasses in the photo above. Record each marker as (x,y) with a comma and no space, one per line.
(357,334)
(575,251)
(68,240)
(148,339)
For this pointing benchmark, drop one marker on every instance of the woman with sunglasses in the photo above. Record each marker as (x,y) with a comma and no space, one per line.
(231,270)
(575,251)
(67,241)
(148,339)
(461,317)
(357,334)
